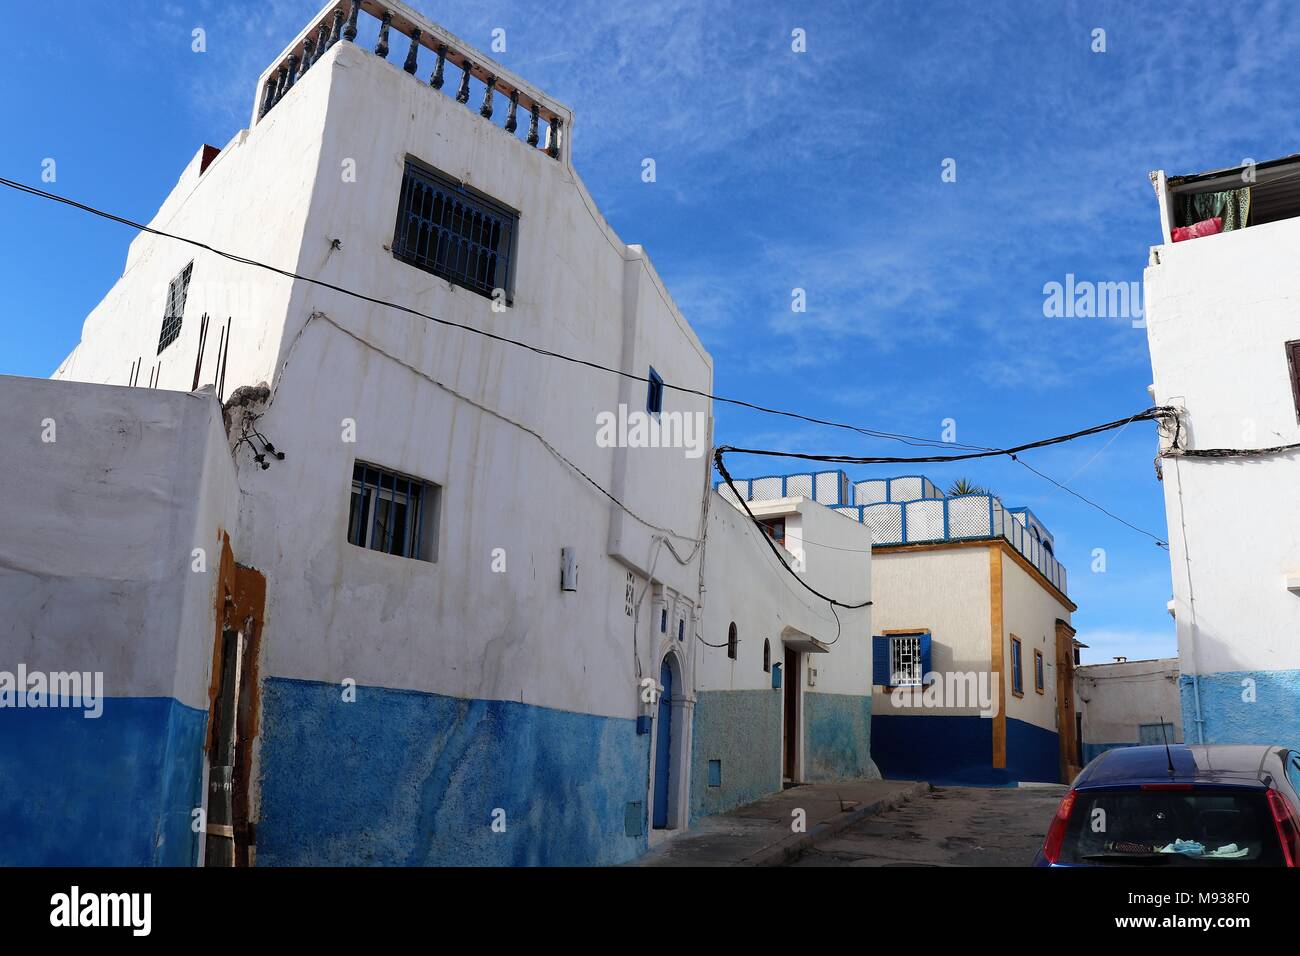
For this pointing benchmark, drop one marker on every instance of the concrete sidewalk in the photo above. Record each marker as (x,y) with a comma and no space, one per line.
(759,833)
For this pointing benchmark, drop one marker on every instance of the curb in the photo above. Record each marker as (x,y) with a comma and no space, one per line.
(795,846)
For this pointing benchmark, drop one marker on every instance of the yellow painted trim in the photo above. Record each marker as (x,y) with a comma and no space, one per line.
(997,660)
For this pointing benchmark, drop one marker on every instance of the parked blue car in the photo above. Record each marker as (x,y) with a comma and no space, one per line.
(1181,805)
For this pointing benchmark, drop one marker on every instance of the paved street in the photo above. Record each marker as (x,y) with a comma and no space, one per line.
(760,833)
(949,826)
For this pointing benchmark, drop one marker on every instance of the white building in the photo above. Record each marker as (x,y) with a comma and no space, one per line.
(1224,334)
(784,682)
(973,650)
(423,616)
(1129,704)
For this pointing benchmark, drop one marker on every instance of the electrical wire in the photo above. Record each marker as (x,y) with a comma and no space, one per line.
(868,432)
(494,413)
(1154,413)
(1151,414)
(726,476)
(975,453)
(1228,452)
(289,274)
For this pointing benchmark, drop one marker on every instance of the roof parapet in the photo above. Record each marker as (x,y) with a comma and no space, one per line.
(337,22)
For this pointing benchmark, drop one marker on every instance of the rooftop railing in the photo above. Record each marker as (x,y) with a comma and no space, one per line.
(928,517)
(543,125)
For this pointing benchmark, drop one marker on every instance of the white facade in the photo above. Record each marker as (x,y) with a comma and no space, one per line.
(469,704)
(1126,703)
(1219,312)
(816,724)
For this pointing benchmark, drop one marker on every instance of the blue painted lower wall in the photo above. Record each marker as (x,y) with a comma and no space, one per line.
(837,737)
(742,729)
(406,778)
(1230,717)
(957,750)
(1092,751)
(116,790)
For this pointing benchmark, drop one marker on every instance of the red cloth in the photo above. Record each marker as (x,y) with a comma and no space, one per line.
(1206,227)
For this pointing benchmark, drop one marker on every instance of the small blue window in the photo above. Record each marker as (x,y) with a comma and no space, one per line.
(681,629)
(1017,674)
(715,773)
(663,621)
(654,396)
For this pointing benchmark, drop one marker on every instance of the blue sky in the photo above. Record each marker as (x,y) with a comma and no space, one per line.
(775,170)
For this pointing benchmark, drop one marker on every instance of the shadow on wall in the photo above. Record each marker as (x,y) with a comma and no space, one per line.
(958,750)
(838,738)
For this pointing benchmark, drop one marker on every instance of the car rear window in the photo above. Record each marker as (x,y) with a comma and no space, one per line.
(1171,827)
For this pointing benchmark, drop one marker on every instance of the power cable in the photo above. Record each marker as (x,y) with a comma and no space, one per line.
(289,274)
(869,432)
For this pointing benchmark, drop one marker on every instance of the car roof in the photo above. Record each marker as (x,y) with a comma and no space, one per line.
(1248,765)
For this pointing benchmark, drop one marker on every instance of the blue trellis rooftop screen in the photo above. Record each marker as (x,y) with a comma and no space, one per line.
(925,516)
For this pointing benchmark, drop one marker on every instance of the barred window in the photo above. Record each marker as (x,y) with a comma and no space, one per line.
(905,661)
(393,513)
(175,311)
(464,237)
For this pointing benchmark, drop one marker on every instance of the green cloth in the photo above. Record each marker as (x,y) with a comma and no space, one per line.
(1231,205)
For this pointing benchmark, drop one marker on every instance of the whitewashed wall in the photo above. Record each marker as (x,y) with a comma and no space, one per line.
(945,591)
(1218,312)
(98,530)
(1118,698)
(746,585)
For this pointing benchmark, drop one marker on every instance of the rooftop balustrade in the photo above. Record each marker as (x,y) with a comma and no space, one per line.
(544,124)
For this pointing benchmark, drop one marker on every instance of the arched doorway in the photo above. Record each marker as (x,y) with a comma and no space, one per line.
(663,745)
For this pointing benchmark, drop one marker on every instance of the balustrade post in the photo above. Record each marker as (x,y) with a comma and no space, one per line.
(532,128)
(413,52)
(462,95)
(511,124)
(436,80)
(350,33)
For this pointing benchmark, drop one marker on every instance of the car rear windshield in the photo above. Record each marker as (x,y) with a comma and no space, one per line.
(1172,827)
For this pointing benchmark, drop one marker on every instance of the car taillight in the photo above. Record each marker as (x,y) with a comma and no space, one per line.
(1288,828)
(1056,832)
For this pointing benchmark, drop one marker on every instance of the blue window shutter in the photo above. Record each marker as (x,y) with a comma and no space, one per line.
(925,655)
(880,661)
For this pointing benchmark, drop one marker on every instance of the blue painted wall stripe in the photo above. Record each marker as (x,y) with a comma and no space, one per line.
(117,790)
(1231,715)
(407,778)
(958,750)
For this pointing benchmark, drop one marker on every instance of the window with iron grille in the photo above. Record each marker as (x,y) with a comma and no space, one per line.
(461,236)
(393,513)
(905,661)
(175,311)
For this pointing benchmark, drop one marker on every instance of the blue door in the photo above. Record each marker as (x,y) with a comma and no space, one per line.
(663,735)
